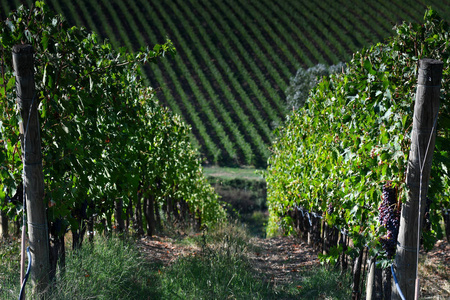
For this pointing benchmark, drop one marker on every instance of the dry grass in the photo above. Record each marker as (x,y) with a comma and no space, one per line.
(434,270)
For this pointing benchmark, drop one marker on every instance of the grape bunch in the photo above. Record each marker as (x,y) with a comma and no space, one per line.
(330,209)
(389,217)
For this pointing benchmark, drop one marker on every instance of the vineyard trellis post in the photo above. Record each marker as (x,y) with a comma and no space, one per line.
(4,230)
(33,180)
(417,175)
(356,274)
(374,281)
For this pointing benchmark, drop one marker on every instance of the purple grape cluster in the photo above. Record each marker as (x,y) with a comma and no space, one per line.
(330,209)
(389,217)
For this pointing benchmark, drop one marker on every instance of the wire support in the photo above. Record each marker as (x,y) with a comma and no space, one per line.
(396,283)
(37,226)
(22,289)
(315,215)
(429,86)
(405,248)
(419,217)
(33,163)
(25,221)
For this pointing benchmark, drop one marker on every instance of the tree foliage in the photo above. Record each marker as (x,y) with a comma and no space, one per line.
(353,136)
(305,80)
(104,136)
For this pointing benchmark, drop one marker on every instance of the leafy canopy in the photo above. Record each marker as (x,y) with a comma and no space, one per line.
(353,135)
(104,135)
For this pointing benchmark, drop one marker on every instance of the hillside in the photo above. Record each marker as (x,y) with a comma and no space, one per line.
(235,58)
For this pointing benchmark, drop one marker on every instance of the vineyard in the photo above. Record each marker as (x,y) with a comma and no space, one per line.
(351,161)
(235,59)
(88,147)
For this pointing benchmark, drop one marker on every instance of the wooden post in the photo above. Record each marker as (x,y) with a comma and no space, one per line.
(370,291)
(374,287)
(445,213)
(118,205)
(370,284)
(4,231)
(417,175)
(344,243)
(32,167)
(387,283)
(356,293)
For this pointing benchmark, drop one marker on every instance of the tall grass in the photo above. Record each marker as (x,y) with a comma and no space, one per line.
(9,269)
(114,268)
(220,271)
(322,282)
(111,268)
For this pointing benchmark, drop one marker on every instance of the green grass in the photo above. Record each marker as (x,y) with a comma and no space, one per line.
(220,271)
(322,282)
(223,271)
(115,269)
(233,173)
(244,190)
(256,222)
(9,269)
(109,269)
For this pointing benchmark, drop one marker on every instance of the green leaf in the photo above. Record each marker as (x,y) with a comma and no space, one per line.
(11,83)
(45,40)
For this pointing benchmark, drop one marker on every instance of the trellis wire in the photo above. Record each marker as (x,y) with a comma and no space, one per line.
(23,279)
(315,215)
(419,218)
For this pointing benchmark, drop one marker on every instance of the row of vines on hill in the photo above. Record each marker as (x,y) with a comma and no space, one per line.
(205,107)
(334,155)
(230,85)
(110,150)
(210,113)
(224,78)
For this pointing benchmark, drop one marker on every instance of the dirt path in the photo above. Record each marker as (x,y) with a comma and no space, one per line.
(434,269)
(164,250)
(278,258)
(281,258)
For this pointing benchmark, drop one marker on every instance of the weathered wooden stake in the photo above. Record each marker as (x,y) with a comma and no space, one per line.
(356,293)
(32,167)
(387,283)
(4,230)
(374,282)
(418,173)
(446,213)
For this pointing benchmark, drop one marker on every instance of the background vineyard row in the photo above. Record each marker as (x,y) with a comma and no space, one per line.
(235,58)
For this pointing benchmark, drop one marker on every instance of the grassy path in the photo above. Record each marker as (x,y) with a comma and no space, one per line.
(257,268)
(223,264)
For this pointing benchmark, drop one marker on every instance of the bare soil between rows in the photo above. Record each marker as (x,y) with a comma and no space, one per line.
(281,259)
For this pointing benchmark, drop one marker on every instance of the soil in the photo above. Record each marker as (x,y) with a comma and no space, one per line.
(434,269)
(281,258)
(164,250)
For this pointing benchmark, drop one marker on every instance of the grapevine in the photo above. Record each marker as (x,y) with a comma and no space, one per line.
(104,134)
(353,133)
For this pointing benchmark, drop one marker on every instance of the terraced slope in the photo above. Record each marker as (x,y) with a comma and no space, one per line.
(235,58)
